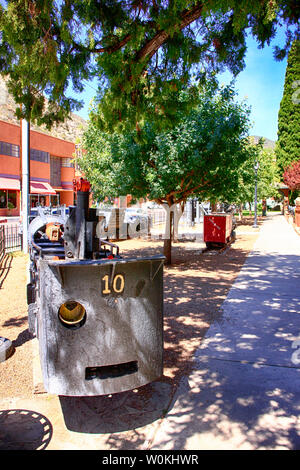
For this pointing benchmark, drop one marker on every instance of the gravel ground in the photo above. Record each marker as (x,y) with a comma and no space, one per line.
(195,287)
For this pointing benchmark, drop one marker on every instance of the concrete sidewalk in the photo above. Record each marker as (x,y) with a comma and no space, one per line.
(243,392)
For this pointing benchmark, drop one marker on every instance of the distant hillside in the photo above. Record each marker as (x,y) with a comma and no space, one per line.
(70,130)
(269,144)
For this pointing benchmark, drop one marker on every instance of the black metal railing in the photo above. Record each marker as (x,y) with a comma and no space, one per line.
(10,238)
(2,243)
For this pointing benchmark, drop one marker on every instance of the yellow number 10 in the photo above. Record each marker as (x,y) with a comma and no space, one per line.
(117,285)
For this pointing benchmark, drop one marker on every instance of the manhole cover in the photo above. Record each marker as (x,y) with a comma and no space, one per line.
(24,430)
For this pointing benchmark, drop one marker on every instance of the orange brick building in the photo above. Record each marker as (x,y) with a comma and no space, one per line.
(51,169)
(51,159)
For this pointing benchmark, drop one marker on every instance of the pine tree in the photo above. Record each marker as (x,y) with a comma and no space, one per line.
(143,52)
(288,144)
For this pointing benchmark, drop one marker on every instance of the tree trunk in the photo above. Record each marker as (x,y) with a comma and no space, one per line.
(250,210)
(177,216)
(168,237)
(213,206)
(240,211)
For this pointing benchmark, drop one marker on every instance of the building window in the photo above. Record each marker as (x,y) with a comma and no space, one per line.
(34,200)
(55,171)
(12,199)
(67,162)
(9,149)
(37,200)
(54,200)
(3,199)
(8,199)
(39,156)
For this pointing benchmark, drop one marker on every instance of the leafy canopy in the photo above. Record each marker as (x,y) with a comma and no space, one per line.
(201,156)
(143,52)
(291,176)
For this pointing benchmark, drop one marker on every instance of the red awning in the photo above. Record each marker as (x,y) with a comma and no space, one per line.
(9,183)
(37,187)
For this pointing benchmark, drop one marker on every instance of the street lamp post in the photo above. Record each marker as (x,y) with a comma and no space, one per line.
(256,167)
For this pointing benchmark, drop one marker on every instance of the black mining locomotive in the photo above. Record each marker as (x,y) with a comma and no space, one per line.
(98,317)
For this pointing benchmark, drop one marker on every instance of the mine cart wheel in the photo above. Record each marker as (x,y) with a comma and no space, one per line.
(137,229)
(30,293)
(216,245)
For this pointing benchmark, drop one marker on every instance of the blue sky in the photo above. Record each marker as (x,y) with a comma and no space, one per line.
(261,82)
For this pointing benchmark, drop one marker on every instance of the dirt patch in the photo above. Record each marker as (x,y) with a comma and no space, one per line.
(195,287)
(16,372)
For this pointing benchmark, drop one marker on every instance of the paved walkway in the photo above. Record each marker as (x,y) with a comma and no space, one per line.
(244,390)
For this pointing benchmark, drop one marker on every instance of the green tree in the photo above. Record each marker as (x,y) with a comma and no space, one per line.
(246,178)
(143,51)
(267,175)
(199,157)
(288,143)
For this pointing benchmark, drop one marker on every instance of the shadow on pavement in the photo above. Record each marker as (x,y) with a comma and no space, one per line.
(192,297)
(118,412)
(5,266)
(243,390)
(222,406)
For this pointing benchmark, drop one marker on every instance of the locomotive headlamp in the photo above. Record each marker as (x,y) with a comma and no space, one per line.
(72,314)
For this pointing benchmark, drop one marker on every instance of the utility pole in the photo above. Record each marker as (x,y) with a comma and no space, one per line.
(25,180)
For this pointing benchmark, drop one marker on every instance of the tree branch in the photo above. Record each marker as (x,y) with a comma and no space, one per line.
(152,46)
(114,48)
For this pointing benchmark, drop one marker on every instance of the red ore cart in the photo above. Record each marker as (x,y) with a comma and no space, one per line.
(218,229)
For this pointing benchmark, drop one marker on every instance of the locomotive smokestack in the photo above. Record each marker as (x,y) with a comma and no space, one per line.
(82,188)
